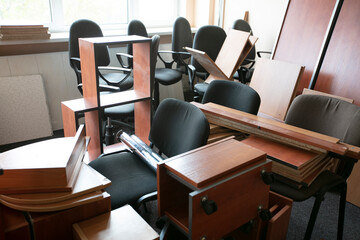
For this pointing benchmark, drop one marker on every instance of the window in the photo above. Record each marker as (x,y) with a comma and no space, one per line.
(20,11)
(110,14)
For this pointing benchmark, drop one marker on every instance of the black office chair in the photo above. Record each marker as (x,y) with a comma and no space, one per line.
(118,81)
(177,127)
(234,95)
(210,40)
(181,37)
(135,27)
(333,117)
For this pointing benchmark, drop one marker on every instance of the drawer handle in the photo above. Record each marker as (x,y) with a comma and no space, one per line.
(209,206)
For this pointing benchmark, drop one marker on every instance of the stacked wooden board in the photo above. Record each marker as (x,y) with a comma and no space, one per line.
(23,32)
(300,166)
(310,147)
(49,176)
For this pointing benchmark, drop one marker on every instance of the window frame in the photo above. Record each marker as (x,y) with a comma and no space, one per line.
(58,24)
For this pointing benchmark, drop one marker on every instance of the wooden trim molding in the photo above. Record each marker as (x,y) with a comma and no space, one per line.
(22,47)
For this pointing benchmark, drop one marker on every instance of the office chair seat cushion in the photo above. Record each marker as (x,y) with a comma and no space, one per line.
(120,111)
(326,180)
(167,76)
(115,77)
(131,178)
(201,88)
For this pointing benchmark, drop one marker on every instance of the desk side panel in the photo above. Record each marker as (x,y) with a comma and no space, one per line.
(237,202)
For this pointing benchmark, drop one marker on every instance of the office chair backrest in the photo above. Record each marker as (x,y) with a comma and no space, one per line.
(178,127)
(326,115)
(242,25)
(209,39)
(181,37)
(135,27)
(233,95)
(84,28)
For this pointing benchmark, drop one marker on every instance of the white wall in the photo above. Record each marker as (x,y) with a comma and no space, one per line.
(60,79)
(265,18)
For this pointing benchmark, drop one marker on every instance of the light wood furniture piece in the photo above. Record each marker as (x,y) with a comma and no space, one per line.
(233,52)
(314,92)
(276,83)
(52,225)
(122,223)
(205,192)
(92,103)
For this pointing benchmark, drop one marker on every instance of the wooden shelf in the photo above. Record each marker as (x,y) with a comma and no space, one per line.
(93,102)
(120,98)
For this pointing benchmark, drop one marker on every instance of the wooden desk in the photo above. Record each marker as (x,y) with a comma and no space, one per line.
(219,172)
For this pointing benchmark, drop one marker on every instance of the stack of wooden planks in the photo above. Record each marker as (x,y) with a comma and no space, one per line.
(50,176)
(300,166)
(24,32)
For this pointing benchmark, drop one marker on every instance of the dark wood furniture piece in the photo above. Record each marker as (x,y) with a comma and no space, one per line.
(92,103)
(301,40)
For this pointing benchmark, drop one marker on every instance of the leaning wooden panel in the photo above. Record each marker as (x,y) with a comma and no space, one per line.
(314,92)
(276,83)
(302,34)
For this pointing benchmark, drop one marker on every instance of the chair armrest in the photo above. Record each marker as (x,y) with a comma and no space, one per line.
(261,52)
(125,70)
(120,57)
(102,88)
(73,62)
(168,64)
(192,74)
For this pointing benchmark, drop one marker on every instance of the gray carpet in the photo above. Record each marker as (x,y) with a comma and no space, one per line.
(325,226)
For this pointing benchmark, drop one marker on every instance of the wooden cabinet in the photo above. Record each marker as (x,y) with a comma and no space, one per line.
(92,103)
(211,191)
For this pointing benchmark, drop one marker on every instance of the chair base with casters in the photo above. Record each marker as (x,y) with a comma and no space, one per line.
(326,182)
